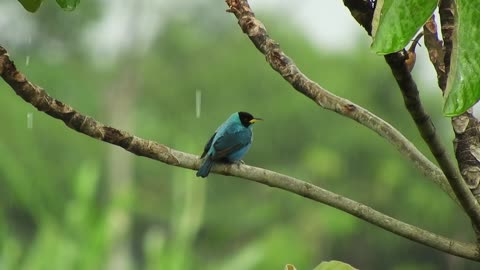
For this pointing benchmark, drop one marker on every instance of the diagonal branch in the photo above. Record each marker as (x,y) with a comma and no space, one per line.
(280,62)
(153,150)
(466,126)
(411,97)
(427,130)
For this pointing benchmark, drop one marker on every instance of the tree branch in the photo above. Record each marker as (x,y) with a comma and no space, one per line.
(466,125)
(153,150)
(411,97)
(446,9)
(362,12)
(281,63)
(435,51)
(427,130)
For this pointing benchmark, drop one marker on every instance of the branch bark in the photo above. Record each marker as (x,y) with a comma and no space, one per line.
(411,97)
(446,9)
(285,66)
(427,130)
(43,102)
(465,126)
(435,51)
(362,12)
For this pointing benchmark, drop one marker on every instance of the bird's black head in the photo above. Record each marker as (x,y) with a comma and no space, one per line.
(247,119)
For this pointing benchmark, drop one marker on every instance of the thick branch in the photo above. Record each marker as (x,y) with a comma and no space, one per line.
(435,51)
(465,126)
(446,9)
(150,149)
(427,130)
(280,62)
(362,12)
(424,124)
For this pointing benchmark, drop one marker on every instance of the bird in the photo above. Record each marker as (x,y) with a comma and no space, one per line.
(230,142)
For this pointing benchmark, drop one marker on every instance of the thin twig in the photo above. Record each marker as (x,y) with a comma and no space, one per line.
(415,42)
(285,66)
(411,56)
(424,124)
(153,150)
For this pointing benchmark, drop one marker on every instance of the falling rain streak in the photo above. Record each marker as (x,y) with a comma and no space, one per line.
(27,60)
(29,120)
(198,102)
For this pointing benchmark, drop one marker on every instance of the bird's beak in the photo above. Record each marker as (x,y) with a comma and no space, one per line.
(255,120)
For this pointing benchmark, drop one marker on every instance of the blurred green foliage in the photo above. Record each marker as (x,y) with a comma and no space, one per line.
(59,209)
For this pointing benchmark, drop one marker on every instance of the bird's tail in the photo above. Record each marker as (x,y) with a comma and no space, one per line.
(205,167)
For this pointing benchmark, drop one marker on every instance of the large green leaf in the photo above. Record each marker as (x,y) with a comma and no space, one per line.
(395,23)
(68,5)
(334,265)
(31,5)
(463,85)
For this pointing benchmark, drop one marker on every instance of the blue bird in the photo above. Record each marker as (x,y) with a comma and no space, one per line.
(229,143)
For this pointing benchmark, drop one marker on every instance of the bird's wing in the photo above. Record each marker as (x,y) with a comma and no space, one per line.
(208,145)
(229,142)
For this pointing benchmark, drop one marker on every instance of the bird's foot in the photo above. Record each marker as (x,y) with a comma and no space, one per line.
(239,162)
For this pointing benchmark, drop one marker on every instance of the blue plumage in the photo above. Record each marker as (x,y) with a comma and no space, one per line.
(229,143)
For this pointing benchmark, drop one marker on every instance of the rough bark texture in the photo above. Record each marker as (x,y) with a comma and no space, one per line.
(42,101)
(467,149)
(435,51)
(427,130)
(466,126)
(446,9)
(362,12)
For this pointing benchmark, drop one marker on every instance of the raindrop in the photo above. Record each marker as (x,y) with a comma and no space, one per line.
(30,120)
(198,102)
(29,42)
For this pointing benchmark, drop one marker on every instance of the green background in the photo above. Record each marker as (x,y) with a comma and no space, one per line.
(70,202)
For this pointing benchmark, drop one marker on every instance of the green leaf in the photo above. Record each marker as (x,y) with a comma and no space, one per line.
(31,5)
(334,265)
(395,23)
(463,85)
(68,5)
